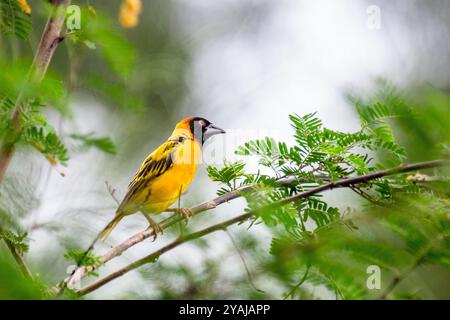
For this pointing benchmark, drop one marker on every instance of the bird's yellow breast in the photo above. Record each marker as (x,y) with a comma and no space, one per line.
(167,188)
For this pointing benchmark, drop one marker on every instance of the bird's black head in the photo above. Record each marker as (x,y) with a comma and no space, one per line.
(202,129)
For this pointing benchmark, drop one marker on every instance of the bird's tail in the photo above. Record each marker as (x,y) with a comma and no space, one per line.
(105,232)
(102,235)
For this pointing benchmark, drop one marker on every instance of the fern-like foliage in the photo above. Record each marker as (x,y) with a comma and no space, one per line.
(104,144)
(35,130)
(320,155)
(19,240)
(6,107)
(400,241)
(322,245)
(80,258)
(13,21)
(230,175)
(47,142)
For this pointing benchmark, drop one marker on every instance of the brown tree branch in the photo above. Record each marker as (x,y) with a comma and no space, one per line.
(51,37)
(221,226)
(346,182)
(116,251)
(155,255)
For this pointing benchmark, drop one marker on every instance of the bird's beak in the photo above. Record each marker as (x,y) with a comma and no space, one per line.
(212,130)
(215,130)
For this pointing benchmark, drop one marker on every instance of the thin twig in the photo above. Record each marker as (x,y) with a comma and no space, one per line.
(291,292)
(241,255)
(346,182)
(112,192)
(367,196)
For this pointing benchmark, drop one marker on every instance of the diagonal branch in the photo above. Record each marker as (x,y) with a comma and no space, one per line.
(155,255)
(241,255)
(151,258)
(51,37)
(116,251)
(347,182)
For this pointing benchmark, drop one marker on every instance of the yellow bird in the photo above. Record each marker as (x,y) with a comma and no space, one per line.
(166,173)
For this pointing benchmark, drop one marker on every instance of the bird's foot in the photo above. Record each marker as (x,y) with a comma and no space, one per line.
(156,228)
(186,213)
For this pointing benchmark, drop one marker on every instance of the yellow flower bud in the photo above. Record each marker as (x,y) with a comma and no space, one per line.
(25,7)
(129,13)
(134,5)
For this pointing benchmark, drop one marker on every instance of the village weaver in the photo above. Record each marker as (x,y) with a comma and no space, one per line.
(165,174)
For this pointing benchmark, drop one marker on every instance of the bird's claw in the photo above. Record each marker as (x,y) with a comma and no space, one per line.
(156,228)
(186,213)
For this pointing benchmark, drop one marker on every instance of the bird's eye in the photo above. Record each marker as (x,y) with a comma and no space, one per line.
(181,139)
